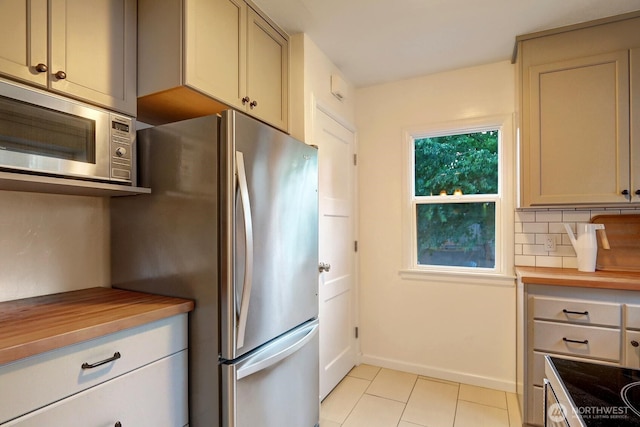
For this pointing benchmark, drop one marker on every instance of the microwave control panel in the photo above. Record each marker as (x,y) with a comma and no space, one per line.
(122,147)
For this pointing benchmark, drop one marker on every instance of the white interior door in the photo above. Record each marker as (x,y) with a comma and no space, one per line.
(336,148)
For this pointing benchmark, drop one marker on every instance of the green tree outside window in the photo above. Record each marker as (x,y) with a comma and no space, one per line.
(460,232)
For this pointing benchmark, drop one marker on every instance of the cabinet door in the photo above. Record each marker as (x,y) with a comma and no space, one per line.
(215,49)
(267,72)
(635,124)
(94,44)
(578,140)
(23,40)
(632,349)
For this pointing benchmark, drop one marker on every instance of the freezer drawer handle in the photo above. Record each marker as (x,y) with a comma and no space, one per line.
(248,227)
(258,365)
(115,356)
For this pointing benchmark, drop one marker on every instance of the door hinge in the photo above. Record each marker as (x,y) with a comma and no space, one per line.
(355,246)
(355,160)
(356,332)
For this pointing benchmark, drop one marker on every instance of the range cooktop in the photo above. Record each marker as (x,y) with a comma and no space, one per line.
(604,396)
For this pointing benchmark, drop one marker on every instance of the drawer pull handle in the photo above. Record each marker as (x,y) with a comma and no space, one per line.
(575,341)
(118,424)
(581,313)
(635,343)
(115,356)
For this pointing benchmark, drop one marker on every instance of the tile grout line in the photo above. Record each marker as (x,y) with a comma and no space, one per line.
(408,398)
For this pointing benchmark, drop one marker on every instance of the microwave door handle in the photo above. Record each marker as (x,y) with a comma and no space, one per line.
(248,227)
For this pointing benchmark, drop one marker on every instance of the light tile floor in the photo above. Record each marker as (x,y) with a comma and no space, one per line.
(377,397)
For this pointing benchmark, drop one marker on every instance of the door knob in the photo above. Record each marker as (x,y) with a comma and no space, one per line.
(323,266)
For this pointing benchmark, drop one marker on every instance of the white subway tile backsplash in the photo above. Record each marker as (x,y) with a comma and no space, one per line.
(562,250)
(549,216)
(525,238)
(576,216)
(532,227)
(549,261)
(517,227)
(535,227)
(525,216)
(569,262)
(525,260)
(533,250)
(557,227)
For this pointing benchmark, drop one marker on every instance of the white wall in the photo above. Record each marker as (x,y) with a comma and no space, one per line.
(311,72)
(52,243)
(457,331)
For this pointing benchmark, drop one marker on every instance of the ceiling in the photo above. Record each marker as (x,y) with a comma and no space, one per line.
(377,41)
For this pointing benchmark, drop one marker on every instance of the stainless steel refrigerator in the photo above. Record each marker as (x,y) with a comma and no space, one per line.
(232,222)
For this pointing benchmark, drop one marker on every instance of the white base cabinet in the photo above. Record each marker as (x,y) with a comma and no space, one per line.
(135,377)
(148,396)
(588,324)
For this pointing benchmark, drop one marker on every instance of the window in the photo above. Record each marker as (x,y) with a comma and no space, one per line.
(455,198)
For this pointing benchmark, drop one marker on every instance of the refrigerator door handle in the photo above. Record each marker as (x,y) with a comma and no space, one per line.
(248,227)
(270,357)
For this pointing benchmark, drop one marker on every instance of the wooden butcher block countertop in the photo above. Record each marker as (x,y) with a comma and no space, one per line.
(34,325)
(629,281)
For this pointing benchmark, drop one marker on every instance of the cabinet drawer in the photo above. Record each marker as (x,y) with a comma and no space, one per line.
(633,316)
(34,382)
(154,395)
(585,341)
(577,311)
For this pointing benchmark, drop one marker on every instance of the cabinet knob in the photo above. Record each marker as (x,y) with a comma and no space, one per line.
(637,192)
(253,104)
(625,192)
(61,75)
(635,343)
(42,68)
(245,100)
(117,424)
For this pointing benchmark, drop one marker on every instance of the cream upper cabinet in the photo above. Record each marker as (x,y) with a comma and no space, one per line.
(634,65)
(92,48)
(576,99)
(267,72)
(215,48)
(200,57)
(579,133)
(93,51)
(23,40)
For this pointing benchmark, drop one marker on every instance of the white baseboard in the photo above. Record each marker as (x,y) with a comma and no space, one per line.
(439,373)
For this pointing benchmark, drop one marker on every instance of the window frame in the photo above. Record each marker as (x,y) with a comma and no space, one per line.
(504,246)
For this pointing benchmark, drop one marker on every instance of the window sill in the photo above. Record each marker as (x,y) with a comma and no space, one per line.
(460,277)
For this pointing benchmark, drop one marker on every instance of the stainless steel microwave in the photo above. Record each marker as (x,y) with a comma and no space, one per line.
(43,133)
